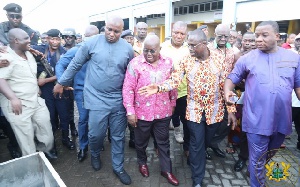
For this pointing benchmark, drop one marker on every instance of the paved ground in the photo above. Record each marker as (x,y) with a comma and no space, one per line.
(219,172)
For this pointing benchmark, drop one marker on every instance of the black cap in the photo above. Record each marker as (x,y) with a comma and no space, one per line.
(202,27)
(126,33)
(13,7)
(54,33)
(78,35)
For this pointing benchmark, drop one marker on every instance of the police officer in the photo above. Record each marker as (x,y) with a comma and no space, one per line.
(14,16)
(56,105)
(69,36)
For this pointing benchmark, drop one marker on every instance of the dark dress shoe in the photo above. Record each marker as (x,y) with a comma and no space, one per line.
(2,136)
(171,178)
(239,165)
(124,177)
(51,156)
(96,162)
(74,132)
(69,144)
(14,152)
(218,152)
(208,156)
(82,154)
(144,170)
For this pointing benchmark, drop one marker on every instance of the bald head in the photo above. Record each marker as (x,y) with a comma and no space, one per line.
(116,20)
(18,39)
(198,35)
(152,40)
(179,24)
(222,28)
(91,30)
(141,24)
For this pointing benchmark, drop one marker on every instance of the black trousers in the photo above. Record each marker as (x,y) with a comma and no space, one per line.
(179,115)
(160,128)
(296,120)
(5,126)
(222,131)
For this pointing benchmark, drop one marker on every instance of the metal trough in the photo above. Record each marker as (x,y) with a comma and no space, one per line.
(29,171)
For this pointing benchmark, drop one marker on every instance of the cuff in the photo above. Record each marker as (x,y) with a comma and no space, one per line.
(231,108)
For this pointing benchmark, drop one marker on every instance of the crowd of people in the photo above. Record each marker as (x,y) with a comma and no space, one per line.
(119,80)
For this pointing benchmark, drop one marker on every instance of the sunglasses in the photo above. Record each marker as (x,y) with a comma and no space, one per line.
(15,16)
(68,36)
(149,50)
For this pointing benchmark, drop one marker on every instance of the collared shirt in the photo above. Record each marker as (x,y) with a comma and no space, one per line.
(141,73)
(138,46)
(205,87)
(270,79)
(21,77)
(177,54)
(107,64)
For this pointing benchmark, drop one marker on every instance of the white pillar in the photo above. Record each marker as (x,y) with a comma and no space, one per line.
(229,11)
(168,17)
(131,19)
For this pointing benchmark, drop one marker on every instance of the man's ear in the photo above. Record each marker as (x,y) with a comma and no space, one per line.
(16,40)
(277,35)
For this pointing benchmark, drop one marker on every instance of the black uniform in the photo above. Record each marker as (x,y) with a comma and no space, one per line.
(4,28)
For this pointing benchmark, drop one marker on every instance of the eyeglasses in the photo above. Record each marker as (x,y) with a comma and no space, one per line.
(15,16)
(110,30)
(68,36)
(193,45)
(221,36)
(149,50)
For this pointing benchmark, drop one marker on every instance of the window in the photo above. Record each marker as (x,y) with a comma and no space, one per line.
(207,7)
(181,10)
(220,5)
(150,16)
(196,8)
(214,5)
(154,15)
(185,10)
(176,11)
(201,7)
(163,15)
(191,9)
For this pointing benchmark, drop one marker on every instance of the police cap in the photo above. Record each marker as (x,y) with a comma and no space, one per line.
(54,33)
(13,7)
(126,33)
(202,27)
(78,35)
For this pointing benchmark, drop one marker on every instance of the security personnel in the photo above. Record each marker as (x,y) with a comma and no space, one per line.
(69,35)
(56,105)
(14,16)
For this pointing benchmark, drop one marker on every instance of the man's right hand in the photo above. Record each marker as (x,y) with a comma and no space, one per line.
(132,120)
(16,105)
(58,89)
(229,97)
(148,90)
(4,63)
